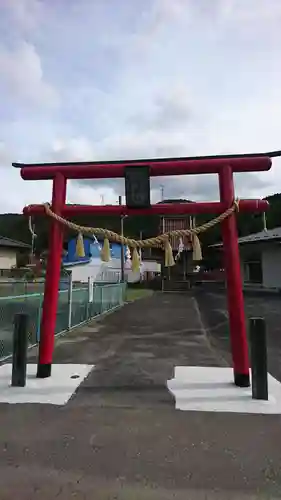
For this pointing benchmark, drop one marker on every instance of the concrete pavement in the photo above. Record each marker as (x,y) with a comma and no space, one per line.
(120,437)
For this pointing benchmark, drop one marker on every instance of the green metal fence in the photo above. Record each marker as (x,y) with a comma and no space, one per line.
(75,306)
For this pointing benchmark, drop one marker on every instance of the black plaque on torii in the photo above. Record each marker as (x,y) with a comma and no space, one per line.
(137,186)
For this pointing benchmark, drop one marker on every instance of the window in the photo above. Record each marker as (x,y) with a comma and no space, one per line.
(253,269)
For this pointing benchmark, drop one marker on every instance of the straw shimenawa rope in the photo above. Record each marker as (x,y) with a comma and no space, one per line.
(156,242)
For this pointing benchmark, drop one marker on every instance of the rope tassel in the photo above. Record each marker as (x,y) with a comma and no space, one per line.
(80,251)
(197,251)
(105,252)
(169,258)
(135,261)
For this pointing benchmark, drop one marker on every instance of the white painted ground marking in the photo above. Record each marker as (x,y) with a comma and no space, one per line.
(55,390)
(197,388)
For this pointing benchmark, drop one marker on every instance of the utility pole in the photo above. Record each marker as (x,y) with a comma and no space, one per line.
(32,241)
(264,221)
(162,198)
(122,246)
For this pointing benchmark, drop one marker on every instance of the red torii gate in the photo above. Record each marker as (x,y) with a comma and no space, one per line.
(224,166)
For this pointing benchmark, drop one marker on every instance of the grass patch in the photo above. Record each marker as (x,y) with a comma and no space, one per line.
(135,293)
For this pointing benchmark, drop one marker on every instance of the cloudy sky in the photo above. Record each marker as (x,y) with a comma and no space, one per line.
(113,79)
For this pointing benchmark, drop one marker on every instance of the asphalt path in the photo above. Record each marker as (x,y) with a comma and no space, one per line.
(120,437)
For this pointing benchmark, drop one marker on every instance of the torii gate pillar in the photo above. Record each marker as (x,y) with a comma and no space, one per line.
(237,322)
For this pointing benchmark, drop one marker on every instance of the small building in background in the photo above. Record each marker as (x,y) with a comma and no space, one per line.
(10,251)
(91,249)
(182,247)
(81,268)
(260,256)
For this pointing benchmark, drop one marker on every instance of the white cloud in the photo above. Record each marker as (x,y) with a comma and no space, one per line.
(163,13)
(5,155)
(162,78)
(25,13)
(88,195)
(22,76)
(251,10)
(171,108)
(73,149)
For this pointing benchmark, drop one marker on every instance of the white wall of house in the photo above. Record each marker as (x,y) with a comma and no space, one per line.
(8,258)
(271,266)
(96,269)
(109,271)
(247,253)
(270,261)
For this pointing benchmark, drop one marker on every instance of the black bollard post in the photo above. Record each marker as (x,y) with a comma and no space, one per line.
(258,358)
(20,342)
